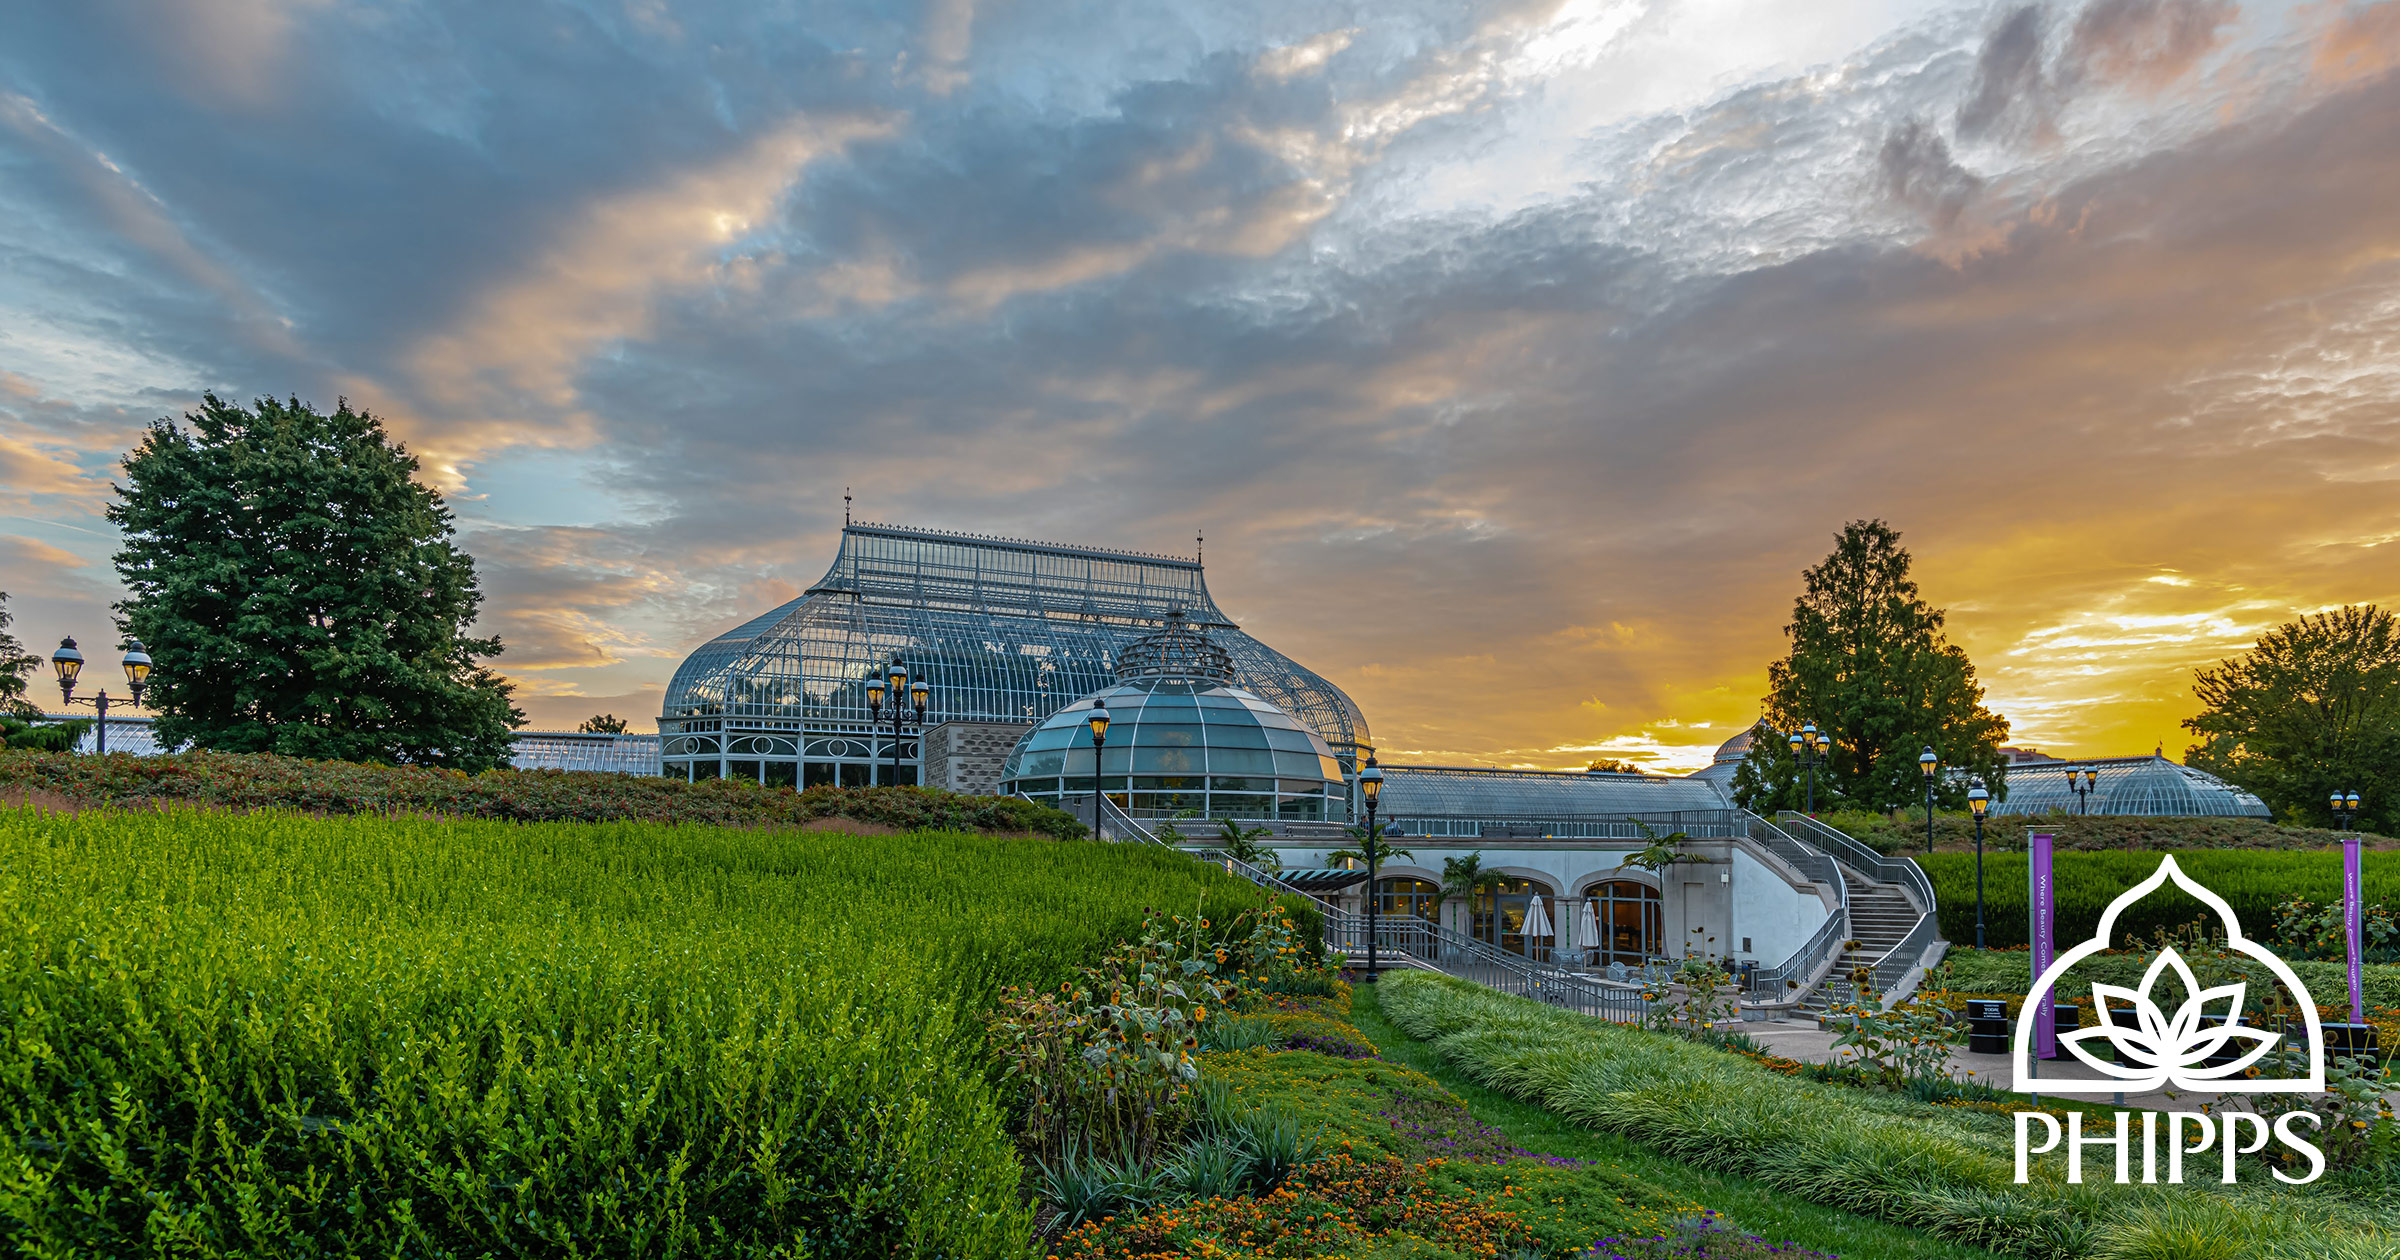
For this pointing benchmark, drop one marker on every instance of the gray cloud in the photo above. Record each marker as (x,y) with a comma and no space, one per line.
(1919,172)
(1110,276)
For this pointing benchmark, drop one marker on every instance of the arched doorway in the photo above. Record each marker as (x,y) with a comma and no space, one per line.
(1500,912)
(1405,897)
(1627,912)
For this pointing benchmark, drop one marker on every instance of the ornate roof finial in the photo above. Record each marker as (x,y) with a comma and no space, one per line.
(845,507)
(1200,547)
(1177,649)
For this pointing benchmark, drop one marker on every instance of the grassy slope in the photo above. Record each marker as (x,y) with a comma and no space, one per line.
(1740,1201)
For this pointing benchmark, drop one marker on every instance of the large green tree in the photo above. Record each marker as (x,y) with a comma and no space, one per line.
(15,663)
(300,592)
(2313,709)
(1870,666)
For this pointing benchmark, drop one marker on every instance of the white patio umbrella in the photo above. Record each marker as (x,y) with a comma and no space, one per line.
(1537,923)
(1587,927)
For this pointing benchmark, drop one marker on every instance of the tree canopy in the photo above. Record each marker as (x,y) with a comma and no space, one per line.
(2312,709)
(300,592)
(602,724)
(1870,665)
(15,664)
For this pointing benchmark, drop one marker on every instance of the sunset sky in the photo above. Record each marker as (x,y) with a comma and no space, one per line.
(1515,358)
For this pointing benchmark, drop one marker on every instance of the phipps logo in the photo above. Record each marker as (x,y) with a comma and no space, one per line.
(2154,1050)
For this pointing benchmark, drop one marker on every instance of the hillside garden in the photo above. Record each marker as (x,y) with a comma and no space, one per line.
(1944,1169)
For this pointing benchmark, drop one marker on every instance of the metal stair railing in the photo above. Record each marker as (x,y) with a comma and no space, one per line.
(1894,964)
(1907,875)
(1771,984)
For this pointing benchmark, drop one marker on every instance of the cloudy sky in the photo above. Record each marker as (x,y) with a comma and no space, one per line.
(1515,357)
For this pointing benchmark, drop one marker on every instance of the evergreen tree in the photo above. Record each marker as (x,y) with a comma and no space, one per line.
(1869,665)
(2313,709)
(15,663)
(300,592)
(603,724)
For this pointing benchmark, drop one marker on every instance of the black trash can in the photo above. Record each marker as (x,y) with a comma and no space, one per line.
(1987,1026)
(2064,1019)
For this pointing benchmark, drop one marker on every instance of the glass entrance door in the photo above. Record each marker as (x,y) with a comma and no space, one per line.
(1500,914)
(1627,912)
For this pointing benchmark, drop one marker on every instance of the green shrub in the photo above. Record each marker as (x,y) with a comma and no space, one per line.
(261,1034)
(2094,832)
(1949,1171)
(264,781)
(2253,883)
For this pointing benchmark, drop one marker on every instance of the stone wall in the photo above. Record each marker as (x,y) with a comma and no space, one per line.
(967,756)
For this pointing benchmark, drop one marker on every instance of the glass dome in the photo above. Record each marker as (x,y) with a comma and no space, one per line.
(1183,743)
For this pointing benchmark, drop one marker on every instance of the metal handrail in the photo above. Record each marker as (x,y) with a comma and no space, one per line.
(1409,940)
(1883,870)
(1768,983)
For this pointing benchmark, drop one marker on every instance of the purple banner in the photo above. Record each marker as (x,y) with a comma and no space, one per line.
(2043,904)
(2354,916)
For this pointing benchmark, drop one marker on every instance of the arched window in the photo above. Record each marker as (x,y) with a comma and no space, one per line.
(1500,912)
(1627,914)
(1409,897)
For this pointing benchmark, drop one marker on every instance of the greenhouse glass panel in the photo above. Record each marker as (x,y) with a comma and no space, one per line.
(1000,629)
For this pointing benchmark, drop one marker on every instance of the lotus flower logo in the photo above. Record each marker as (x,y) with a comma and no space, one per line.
(2155,1052)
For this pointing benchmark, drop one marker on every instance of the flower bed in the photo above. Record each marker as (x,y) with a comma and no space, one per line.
(265,781)
(1404,1170)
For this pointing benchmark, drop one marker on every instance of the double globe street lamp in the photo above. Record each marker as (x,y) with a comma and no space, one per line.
(2345,809)
(1809,750)
(902,693)
(68,661)
(2080,780)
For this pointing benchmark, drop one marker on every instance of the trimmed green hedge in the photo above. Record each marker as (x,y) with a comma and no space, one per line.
(2086,831)
(2253,883)
(264,1034)
(1948,1171)
(266,781)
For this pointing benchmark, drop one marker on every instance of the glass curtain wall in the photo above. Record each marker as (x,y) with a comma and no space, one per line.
(1000,629)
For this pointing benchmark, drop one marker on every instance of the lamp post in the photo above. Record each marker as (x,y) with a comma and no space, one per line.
(900,686)
(1370,787)
(2345,808)
(2080,780)
(1810,749)
(1929,763)
(1098,721)
(69,663)
(1978,801)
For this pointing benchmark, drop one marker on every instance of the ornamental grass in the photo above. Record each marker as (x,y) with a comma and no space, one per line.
(264,1034)
(1946,1170)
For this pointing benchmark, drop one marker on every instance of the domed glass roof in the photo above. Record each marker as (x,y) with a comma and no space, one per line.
(1182,736)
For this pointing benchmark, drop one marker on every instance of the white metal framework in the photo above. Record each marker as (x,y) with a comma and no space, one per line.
(1002,629)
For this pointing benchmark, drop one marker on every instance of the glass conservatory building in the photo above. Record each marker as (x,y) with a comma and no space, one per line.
(2143,786)
(1182,736)
(1003,631)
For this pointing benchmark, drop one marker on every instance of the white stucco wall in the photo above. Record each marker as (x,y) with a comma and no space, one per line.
(1776,917)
